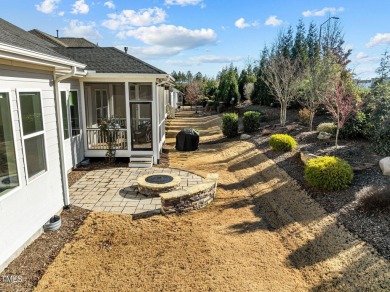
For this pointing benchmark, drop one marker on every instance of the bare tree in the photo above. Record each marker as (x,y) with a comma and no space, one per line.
(248,89)
(283,76)
(317,83)
(194,93)
(340,105)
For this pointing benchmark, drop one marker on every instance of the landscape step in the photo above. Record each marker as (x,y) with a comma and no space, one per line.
(140,164)
(141,161)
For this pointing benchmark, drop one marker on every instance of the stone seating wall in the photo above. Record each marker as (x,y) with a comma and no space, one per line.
(191,198)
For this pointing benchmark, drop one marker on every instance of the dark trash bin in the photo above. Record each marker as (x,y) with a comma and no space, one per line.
(187,140)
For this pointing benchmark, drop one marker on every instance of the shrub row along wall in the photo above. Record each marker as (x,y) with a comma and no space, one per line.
(191,198)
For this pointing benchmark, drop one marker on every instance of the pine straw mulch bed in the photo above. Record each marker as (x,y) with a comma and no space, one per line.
(32,263)
(34,260)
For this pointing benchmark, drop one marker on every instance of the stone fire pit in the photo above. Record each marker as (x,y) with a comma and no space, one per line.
(152,185)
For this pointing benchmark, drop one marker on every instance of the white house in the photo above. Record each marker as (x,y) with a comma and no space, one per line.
(53,94)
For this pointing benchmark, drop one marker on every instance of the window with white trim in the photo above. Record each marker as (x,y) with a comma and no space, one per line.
(101,104)
(8,168)
(74,112)
(33,133)
(64,109)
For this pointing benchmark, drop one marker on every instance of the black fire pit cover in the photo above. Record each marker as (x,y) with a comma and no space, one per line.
(187,140)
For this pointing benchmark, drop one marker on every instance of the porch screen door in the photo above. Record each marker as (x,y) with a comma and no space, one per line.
(141,125)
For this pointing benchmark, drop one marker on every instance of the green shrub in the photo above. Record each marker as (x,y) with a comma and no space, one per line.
(327,127)
(230,125)
(381,141)
(282,142)
(355,127)
(251,120)
(329,173)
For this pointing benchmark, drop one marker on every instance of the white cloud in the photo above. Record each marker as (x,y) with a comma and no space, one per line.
(47,6)
(151,52)
(364,58)
(322,12)
(349,47)
(172,36)
(61,13)
(206,59)
(79,29)
(184,2)
(273,20)
(128,18)
(80,7)
(379,39)
(240,23)
(109,4)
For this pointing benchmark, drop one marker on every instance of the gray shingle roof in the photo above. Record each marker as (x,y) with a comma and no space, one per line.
(108,60)
(64,41)
(15,36)
(48,38)
(77,42)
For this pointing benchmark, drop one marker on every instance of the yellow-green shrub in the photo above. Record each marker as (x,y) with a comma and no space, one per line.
(282,142)
(327,127)
(328,173)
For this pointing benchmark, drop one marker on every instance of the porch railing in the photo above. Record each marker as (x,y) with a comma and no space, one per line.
(98,141)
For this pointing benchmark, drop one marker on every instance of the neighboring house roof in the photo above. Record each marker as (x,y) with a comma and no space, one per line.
(78,43)
(48,38)
(14,36)
(108,60)
(63,41)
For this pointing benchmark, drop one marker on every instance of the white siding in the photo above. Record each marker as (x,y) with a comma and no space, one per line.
(25,209)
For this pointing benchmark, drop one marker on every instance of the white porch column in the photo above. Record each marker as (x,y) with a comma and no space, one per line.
(128,121)
(83,117)
(155,123)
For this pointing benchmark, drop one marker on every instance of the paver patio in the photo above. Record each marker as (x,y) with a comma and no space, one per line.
(115,190)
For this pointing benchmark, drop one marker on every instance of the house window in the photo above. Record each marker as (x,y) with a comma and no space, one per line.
(74,112)
(142,92)
(8,169)
(101,104)
(33,133)
(65,123)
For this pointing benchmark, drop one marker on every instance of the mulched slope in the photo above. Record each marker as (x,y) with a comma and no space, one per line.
(35,259)
(372,225)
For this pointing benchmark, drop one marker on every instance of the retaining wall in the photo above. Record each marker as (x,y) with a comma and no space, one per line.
(191,198)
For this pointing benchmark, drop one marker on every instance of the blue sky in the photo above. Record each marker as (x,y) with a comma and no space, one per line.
(204,35)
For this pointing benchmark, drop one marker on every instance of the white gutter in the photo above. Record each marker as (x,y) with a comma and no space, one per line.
(60,134)
(35,55)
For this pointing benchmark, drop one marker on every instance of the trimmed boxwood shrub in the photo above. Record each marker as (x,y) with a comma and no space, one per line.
(329,173)
(282,142)
(251,121)
(327,128)
(355,127)
(230,125)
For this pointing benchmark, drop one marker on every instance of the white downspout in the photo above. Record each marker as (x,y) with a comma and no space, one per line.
(60,135)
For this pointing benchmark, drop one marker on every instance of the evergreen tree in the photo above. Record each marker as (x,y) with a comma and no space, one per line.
(312,44)
(260,93)
(299,50)
(242,81)
(228,85)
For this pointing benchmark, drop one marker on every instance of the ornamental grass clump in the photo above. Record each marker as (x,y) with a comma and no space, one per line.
(230,125)
(327,128)
(329,173)
(251,121)
(282,142)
